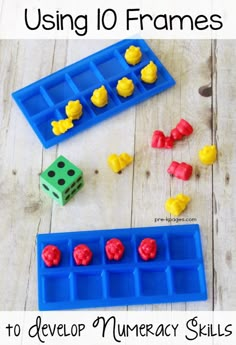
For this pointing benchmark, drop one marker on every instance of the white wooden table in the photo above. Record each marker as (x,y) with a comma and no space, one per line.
(137,196)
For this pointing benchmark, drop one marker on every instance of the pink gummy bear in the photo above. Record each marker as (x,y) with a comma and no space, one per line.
(183,128)
(148,249)
(182,170)
(82,255)
(114,249)
(159,140)
(51,255)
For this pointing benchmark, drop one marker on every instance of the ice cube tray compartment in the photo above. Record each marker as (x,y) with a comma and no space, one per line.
(40,101)
(176,274)
(154,281)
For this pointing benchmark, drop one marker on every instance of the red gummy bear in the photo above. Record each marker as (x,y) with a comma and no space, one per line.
(159,140)
(148,249)
(51,255)
(182,170)
(114,249)
(82,255)
(183,128)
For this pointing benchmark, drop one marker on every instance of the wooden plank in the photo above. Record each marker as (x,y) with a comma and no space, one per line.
(22,211)
(189,63)
(224,170)
(106,198)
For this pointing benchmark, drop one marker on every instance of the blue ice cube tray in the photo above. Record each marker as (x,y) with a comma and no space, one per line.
(175,275)
(44,101)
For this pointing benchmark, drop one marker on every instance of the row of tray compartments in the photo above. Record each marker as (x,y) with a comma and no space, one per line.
(170,247)
(40,98)
(97,284)
(88,73)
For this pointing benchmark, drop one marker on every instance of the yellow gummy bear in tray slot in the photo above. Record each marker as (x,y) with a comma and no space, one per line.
(61,126)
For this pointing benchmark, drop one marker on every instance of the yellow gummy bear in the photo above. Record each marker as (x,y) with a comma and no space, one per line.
(133,55)
(125,87)
(74,109)
(177,204)
(61,126)
(100,97)
(149,73)
(119,162)
(207,154)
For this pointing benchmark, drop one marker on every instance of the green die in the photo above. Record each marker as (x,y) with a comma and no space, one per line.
(61,180)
